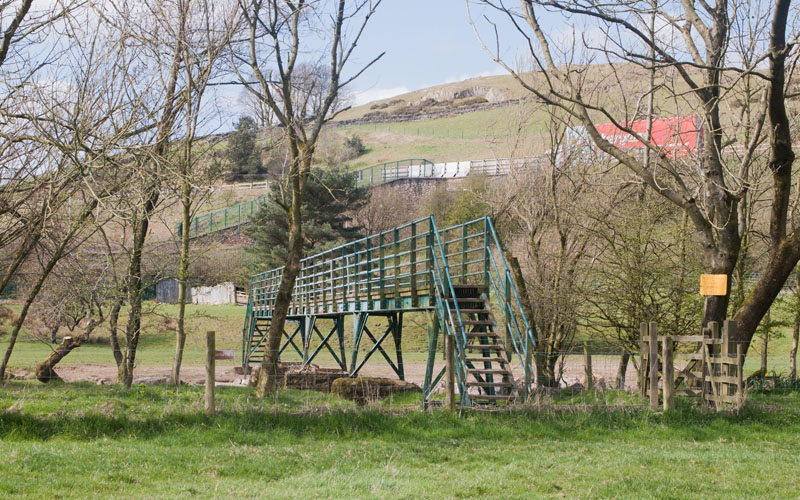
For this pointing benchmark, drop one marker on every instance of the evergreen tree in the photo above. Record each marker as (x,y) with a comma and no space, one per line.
(242,154)
(332,197)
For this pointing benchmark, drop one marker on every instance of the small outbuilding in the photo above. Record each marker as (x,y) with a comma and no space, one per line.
(224,293)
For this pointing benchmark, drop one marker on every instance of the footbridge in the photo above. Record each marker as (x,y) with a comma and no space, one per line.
(457,276)
(374,175)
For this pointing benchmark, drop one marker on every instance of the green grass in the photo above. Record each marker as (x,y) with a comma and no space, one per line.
(88,441)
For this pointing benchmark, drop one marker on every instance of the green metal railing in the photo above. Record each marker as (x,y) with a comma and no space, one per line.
(241,213)
(225,218)
(410,267)
(394,170)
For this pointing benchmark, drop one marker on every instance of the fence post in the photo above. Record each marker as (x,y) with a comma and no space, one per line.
(643,364)
(715,367)
(587,366)
(703,401)
(653,365)
(668,372)
(728,331)
(450,397)
(739,375)
(210,372)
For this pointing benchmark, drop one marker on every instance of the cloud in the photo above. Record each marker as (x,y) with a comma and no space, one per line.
(496,71)
(369,95)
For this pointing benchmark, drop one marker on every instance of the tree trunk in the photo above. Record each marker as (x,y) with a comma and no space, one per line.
(45,370)
(765,342)
(622,370)
(546,370)
(795,329)
(113,320)
(135,289)
(782,262)
(183,274)
(54,334)
(268,375)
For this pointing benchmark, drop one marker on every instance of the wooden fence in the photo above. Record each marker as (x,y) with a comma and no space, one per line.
(711,369)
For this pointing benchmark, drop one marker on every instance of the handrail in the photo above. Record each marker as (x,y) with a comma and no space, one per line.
(459,333)
(367,175)
(232,216)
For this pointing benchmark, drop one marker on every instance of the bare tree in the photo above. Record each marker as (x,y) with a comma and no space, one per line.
(72,117)
(206,30)
(543,214)
(386,208)
(156,87)
(281,33)
(697,68)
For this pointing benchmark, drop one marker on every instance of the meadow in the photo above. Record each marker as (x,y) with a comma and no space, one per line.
(86,441)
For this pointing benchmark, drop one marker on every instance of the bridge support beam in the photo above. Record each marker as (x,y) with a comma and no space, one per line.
(394,328)
(337,329)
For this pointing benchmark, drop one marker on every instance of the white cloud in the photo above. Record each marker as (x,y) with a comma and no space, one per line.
(369,95)
(498,70)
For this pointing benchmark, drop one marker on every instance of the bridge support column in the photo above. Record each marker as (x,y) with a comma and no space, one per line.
(394,328)
(432,379)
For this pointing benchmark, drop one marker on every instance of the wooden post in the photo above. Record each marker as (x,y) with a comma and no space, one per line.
(653,366)
(739,375)
(587,366)
(643,364)
(210,371)
(668,372)
(731,370)
(703,400)
(714,367)
(450,397)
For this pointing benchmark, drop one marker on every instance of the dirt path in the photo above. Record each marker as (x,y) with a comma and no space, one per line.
(604,372)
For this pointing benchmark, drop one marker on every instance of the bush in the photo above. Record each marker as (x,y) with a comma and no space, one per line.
(355,146)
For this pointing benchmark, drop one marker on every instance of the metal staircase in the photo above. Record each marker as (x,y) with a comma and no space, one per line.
(458,276)
(486,358)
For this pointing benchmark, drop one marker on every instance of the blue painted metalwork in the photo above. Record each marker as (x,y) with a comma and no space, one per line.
(413,267)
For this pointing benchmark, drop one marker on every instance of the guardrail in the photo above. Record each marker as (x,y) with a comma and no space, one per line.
(394,170)
(225,218)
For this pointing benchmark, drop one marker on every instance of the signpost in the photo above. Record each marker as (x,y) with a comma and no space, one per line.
(714,284)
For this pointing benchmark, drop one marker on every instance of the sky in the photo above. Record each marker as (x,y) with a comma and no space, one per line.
(427,43)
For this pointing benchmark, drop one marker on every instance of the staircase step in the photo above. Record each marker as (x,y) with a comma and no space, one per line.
(479,371)
(477,322)
(472,311)
(475,347)
(482,334)
(490,384)
(466,299)
(487,360)
(492,397)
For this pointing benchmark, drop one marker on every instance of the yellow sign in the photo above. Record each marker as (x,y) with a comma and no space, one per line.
(713,284)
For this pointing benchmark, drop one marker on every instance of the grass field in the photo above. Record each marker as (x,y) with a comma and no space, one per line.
(103,442)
